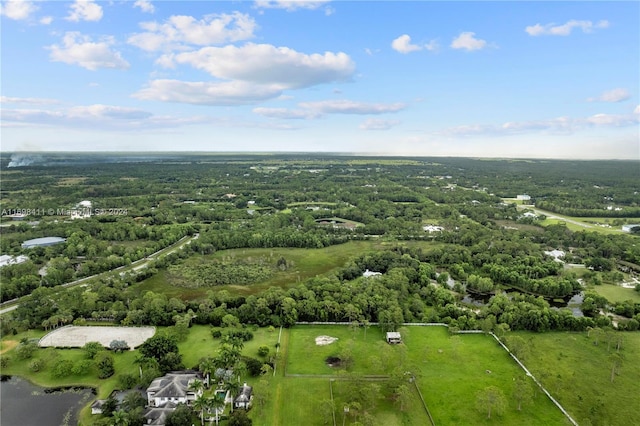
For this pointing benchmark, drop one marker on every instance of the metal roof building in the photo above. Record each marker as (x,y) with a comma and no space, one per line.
(42,242)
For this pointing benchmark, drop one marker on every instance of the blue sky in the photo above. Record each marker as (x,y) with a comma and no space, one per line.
(478,79)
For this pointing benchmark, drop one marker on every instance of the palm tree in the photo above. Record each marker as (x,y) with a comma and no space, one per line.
(217,402)
(207,366)
(196,386)
(232,387)
(120,418)
(201,403)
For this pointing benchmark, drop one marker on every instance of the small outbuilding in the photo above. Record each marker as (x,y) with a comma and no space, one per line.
(244,398)
(393,337)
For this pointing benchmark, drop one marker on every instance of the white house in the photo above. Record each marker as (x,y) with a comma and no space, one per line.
(173,387)
(244,398)
(523,197)
(628,228)
(368,273)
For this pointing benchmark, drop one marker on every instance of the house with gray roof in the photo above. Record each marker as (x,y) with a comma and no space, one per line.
(244,398)
(174,387)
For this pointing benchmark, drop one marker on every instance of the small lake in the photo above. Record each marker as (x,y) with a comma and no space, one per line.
(25,404)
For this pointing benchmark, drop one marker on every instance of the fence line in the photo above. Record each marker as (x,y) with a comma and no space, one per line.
(527,372)
(424,404)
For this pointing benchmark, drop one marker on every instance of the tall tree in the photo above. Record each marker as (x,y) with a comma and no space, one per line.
(522,392)
(492,400)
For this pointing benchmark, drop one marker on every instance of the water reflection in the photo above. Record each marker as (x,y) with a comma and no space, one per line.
(25,404)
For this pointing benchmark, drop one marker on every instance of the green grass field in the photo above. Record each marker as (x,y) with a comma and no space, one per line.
(578,373)
(616,293)
(451,370)
(304,263)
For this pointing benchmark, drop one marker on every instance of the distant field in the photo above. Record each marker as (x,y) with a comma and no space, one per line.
(616,293)
(304,263)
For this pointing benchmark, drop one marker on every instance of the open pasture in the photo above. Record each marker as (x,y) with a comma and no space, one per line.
(450,371)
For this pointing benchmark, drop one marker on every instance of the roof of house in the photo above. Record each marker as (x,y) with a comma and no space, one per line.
(158,415)
(393,335)
(46,241)
(174,384)
(244,395)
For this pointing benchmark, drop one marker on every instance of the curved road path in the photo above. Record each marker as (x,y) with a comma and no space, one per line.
(135,266)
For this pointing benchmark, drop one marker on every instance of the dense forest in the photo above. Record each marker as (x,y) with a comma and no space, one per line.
(438,229)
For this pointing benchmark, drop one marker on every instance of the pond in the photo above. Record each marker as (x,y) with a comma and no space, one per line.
(573,302)
(25,404)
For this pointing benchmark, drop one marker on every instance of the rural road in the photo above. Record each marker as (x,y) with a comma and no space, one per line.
(553,216)
(135,266)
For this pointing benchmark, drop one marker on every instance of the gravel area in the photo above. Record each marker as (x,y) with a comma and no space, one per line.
(76,337)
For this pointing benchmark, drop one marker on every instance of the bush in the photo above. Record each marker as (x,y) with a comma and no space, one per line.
(254,366)
(91,349)
(37,365)
(244,335)
(81,367)
(104,362)
(26,350)
(216,334)
(127,381)
(62,368)
(263,350)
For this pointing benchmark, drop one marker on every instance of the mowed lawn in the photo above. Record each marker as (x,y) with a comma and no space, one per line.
(305,357)
(578,374)
(454,369)
(616,293)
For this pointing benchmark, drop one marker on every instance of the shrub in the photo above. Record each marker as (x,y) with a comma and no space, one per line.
(91,349)
(62,368)
(104,362)
(216,334)
(263,350)
(254,366)
(81,367)
(26,350)
(127,381)
(244,335)
(36,365)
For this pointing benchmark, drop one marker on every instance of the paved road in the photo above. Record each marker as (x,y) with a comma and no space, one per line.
(135,266)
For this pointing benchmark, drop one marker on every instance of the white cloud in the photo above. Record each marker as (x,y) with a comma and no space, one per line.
(145,6)
(95,116)
(467,40)
(207,93)
(312,110)
(351,107)
(637,110)
(377,124)
(403,44)
(17,9)
(80,50)
(614,95)
(267,64)
(181,30)
(285,113)
(27,101)
(564,29)
(290,5)
(46,20)
(84,10)
(559,125)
